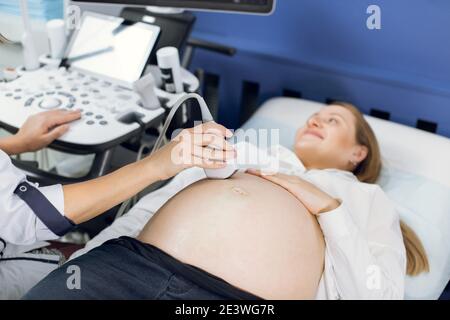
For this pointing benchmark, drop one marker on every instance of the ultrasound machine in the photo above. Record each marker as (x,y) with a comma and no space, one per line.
(101,65)
(104,59)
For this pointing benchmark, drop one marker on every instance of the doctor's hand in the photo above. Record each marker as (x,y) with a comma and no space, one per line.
(204,146)
(314,199)
(41,129)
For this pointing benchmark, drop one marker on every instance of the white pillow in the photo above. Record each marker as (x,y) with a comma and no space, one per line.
(415,175)
(429,219)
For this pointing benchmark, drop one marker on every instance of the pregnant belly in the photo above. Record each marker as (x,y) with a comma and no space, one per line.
(246,230)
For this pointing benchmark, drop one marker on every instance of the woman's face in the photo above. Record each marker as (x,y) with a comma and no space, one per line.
(327,140)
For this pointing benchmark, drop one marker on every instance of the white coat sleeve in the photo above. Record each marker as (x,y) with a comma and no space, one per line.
(18,223)
(370,263)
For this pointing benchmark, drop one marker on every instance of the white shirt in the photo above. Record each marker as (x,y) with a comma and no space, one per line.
(365,257)
(19,225)
(22,231)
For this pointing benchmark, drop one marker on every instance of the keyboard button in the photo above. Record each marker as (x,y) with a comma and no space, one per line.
(90,122)
(17,97)
(99,116)
(103,123)
(29,102)
(50,103)
(86,102)
(88,114)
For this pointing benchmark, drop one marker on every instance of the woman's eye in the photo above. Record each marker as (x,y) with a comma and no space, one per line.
(332,120)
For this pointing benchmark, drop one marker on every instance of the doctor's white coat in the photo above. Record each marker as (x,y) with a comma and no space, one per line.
(20,232)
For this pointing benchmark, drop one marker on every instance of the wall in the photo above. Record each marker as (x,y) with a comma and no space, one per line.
(323,50)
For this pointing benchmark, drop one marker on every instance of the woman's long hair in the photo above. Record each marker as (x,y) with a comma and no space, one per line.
(368,171)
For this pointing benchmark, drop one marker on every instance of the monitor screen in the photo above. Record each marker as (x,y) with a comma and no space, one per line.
(246,6)
(112,48)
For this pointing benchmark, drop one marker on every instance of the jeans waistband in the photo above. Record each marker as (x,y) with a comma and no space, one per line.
(195,275)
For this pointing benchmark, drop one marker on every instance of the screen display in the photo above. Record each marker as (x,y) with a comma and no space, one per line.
(109,47)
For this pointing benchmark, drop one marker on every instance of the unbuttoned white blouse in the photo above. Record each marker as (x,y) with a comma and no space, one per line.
(365,257)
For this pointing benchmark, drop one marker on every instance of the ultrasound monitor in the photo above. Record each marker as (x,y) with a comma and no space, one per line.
(112,48)
(243,6)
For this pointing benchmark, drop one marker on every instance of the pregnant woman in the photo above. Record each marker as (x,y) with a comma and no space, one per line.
(320,229)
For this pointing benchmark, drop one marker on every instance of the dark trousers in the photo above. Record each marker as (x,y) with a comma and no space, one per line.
(126,268)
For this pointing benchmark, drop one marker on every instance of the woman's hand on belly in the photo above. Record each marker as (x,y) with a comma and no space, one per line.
(314,199)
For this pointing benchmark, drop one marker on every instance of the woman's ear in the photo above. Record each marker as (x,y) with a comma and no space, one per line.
(359,154)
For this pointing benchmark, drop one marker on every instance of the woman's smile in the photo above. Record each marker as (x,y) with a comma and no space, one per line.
(313,133)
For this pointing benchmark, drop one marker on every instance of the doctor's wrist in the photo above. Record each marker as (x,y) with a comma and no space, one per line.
(153,170)
(12,145)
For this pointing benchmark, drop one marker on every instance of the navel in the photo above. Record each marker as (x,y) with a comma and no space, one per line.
(239,190)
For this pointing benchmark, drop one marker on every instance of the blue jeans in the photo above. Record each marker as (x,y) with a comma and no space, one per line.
(126,268)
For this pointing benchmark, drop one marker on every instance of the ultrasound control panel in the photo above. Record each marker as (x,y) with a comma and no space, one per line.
(102,61)
(110,112)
